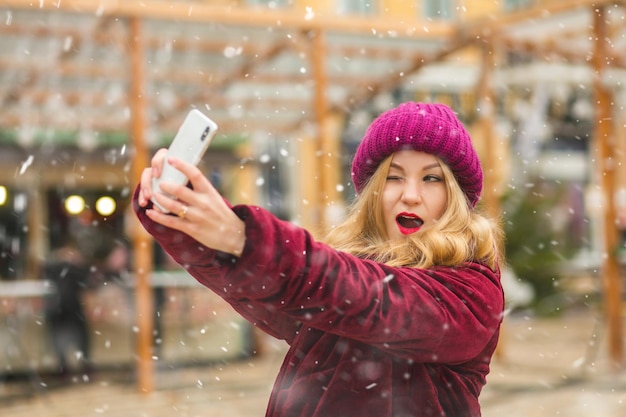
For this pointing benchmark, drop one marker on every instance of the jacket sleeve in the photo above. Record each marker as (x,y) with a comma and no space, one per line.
(206,266)
(441,314)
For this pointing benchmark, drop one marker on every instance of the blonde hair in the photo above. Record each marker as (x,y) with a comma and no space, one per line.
(460,235)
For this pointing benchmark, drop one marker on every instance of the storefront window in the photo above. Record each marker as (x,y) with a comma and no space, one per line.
(439,9)
(90,219)
(358,7)
(13,233)
(511,5)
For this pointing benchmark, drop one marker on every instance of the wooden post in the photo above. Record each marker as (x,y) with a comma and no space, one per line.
(491,192)
(142,242)
(307,183)
(328,146)
(36,215)
(487,122)
(604,147)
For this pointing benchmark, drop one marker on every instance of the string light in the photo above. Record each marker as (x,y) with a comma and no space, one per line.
(74,204)
(105,206)
(3,195)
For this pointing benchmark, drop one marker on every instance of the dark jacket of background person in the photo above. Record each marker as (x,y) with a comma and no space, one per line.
(380,342)
(64,312)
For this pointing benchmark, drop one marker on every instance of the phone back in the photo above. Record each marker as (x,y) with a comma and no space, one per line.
(190,143)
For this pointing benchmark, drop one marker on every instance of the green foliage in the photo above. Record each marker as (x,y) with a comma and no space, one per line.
(536,243)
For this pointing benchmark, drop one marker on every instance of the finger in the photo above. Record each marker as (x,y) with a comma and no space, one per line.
(157,162)
(197,179)
(170,204)
(145,190)
(173,222)
(145,187)
(195,197)
(182,213)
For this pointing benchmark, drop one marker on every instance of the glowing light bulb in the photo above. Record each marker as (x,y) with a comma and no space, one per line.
(3,195)
(106,205)
(74,204)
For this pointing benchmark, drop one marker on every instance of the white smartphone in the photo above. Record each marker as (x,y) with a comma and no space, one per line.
(190,143)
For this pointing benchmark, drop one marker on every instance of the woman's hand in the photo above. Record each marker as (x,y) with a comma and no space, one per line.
(145,184)
(201,212)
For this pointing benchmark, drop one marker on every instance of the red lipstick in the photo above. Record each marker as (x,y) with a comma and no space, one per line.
(408,223)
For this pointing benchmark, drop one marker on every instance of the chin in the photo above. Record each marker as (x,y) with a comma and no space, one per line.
(399,237)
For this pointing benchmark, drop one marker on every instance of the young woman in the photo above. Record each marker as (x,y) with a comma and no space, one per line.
(398,313)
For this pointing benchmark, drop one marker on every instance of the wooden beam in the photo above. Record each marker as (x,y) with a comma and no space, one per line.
(249,47)
(142,242)
(246,16)
(546,50)
(552,50)
(107,122)
(603,139)
(222,81)
(488,25)
(487,119)
(326,151)
(65,68)
(417,63)
(492,160)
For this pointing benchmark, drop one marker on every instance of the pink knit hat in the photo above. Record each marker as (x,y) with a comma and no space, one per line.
(430,128)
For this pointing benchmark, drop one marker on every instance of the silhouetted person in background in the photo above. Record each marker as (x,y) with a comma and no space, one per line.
(64,312)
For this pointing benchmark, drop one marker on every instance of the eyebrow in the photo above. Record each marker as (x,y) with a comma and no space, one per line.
(431,166)
(426,168)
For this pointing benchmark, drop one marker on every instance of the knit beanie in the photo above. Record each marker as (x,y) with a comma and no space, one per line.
(425,127)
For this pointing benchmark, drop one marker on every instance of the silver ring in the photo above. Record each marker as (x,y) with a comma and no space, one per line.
(183,211)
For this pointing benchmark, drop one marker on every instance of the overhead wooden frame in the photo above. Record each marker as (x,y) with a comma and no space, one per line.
(249,66)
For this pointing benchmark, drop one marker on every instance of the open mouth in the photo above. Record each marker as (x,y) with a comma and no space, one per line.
(408,223)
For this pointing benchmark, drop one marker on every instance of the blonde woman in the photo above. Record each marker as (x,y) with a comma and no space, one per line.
(398,312)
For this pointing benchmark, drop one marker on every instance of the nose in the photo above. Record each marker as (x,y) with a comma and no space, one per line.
(411,193)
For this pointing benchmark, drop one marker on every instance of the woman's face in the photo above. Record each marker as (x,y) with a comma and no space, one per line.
(415,193)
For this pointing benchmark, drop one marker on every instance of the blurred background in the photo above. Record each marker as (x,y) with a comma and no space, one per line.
(90,89)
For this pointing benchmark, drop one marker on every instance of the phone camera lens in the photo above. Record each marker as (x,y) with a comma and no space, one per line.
(205,133)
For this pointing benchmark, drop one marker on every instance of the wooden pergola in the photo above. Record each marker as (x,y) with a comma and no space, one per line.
(133,68)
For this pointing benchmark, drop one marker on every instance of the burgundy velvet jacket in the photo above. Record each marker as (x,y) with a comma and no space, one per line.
(365,339)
